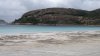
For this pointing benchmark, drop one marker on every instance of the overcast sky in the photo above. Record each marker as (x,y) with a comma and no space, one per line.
(14,9)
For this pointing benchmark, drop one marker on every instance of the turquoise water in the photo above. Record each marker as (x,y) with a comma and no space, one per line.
(32,28)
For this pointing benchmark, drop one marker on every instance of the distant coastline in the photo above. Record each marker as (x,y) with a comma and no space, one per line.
(52,24)
(3,22)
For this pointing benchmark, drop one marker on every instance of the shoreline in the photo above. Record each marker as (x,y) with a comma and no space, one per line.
(53,24)
(52,36)
(75,31)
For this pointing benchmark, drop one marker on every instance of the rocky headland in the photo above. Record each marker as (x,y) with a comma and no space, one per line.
(60,16)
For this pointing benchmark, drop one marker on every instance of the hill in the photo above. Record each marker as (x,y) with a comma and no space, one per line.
(60,16)
(3,22)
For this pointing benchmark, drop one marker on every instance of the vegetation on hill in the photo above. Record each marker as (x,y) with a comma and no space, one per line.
(57,16)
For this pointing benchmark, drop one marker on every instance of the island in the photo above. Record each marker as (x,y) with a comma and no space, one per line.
(60,16)
(2,22)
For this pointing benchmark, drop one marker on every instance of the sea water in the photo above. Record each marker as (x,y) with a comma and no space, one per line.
(9,29)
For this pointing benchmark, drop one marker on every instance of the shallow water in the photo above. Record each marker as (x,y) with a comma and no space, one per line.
(31,28)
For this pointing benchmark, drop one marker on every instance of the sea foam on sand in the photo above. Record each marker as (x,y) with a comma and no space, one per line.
(72,43)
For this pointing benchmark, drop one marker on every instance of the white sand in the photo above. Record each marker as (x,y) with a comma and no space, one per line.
(83,43)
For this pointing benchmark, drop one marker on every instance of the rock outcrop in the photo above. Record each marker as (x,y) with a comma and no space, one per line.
(60,16)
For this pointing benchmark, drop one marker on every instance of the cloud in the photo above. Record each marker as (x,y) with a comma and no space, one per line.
(10,10)
(14,9)
(91,4)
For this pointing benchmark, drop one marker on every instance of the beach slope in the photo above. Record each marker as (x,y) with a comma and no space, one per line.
(75,43)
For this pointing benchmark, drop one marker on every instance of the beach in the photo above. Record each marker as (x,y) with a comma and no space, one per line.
(70,43)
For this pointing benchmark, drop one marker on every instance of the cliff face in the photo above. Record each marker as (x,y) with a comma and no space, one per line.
(58,16)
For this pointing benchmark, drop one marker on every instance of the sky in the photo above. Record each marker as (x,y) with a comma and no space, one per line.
(14,9)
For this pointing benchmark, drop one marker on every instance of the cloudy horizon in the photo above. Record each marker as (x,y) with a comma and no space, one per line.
(14,9)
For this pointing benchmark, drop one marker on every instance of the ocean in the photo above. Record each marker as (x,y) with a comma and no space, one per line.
(9,29)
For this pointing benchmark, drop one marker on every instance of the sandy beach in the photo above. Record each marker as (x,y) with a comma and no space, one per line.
(72,43)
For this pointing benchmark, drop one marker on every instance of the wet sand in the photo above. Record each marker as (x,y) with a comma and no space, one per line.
(76,43)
